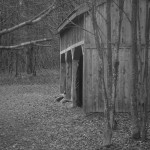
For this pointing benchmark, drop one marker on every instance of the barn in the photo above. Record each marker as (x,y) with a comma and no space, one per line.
(79,71)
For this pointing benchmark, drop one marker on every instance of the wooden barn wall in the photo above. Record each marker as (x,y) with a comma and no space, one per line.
(92,92)
(92,88)
(124,81)
(72,34)
(126,25)
(143,60)
(123,102)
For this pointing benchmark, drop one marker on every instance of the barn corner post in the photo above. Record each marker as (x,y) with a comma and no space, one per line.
(77,76)
(83,75)
(68,60)
(62,73)
(73,84)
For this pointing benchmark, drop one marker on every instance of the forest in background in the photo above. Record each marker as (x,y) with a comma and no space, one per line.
(29,42)
(40,55)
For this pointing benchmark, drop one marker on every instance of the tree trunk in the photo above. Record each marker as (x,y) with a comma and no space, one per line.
(1,52)
(110,77)
(11,63)
(16,75)
(34,63)
(110,112)
(30,60)
(146,81)
(134,112)
(116,66)
(100,47)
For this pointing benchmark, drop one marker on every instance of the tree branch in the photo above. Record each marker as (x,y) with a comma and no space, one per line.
(41,45)
(35,19)
(122,11)
(25,43)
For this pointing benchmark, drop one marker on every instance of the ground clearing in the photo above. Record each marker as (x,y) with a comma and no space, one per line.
(30,119)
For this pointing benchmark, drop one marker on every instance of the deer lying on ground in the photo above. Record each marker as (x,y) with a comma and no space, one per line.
(62,98)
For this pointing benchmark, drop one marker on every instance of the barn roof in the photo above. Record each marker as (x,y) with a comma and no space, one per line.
(75,13)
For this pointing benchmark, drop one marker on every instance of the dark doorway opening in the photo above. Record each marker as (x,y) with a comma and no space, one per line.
(79,81)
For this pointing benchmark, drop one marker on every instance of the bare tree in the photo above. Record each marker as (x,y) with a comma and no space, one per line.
(144,124)
(34,20)
(34,42)
(134,111)
(116,65)
(107,89)
(11,34)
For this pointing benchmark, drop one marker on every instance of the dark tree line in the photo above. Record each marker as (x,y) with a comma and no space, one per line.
(19,25)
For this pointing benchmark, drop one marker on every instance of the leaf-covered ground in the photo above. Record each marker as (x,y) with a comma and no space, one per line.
(30,119)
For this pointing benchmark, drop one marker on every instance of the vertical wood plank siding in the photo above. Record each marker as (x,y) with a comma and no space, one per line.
(93,97)
(92,92)
(72,34)
(123,88)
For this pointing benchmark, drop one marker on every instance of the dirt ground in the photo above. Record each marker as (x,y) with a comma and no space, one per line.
(30,119)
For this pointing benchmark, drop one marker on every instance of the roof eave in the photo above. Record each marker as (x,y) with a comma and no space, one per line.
(80,10)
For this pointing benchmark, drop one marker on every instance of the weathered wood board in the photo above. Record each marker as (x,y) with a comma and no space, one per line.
(71,35)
